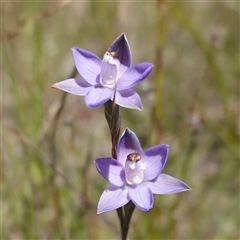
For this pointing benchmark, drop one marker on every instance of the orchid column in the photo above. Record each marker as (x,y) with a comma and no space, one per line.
(134,174)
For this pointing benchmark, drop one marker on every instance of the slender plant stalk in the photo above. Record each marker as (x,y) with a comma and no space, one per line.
(114,124)
(156,131)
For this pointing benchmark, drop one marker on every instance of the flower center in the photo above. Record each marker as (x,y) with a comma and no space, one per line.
(109,70)
(134,169)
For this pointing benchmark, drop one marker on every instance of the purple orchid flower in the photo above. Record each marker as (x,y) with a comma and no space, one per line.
(110,78)
(135,175)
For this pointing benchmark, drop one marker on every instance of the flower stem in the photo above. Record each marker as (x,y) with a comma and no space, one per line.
(125,218)
(129,208)
(114,123)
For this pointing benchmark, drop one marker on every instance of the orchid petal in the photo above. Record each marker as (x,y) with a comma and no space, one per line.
(134,75)
(121,46)
(87,64)
(129,99)
(128,143)
(166,184)
(97,96)
(111,170)
(142,197)
(112,198)
(74,86)
(155,159)
(122,69)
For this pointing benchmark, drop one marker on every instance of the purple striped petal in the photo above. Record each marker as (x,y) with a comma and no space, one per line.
(111,170)
(128,143)
(142,197)
(74,86)
(97,97)
(166,184)
(155,159)
(112,198)
(121,46)
(129,99)
(87,64)
(134,75)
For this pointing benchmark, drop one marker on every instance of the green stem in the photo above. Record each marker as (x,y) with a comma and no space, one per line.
(113,119)
(155,131)
(114,124)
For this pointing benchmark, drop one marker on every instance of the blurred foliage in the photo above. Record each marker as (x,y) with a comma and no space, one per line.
(50,188)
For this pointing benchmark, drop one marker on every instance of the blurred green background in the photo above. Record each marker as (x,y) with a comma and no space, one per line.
(50,187)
